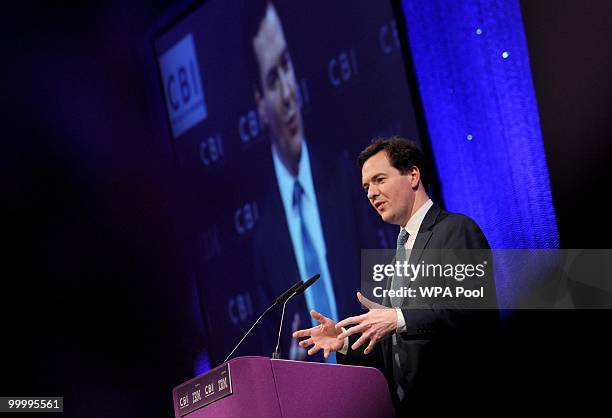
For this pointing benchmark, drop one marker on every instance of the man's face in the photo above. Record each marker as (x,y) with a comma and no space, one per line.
(278,102)
(390,192)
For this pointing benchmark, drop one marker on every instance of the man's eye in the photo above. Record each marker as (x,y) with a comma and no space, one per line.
(272,78)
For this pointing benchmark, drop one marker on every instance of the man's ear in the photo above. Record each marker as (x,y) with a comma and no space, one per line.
(259,103)
(415,176)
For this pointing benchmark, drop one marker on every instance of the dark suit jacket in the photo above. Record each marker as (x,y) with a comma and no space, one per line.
(437,343)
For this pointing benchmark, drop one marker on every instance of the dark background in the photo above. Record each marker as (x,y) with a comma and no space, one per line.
(93,307)
(557,359)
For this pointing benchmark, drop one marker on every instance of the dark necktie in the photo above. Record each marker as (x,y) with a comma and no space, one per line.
(399,357)
(401,255)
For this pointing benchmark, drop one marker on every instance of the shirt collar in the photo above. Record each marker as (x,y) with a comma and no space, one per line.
(286,180)
(415,221)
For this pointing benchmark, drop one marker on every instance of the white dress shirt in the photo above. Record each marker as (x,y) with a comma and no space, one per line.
(312,221)
(413,226)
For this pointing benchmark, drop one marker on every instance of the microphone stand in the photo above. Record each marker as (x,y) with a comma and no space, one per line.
(298,290)
(276,354)
(282,298)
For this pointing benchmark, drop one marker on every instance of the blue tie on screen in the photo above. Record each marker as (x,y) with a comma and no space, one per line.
(320,297)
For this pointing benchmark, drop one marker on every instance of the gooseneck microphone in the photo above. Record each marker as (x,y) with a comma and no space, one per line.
(288,293)
(281,299)
(297,291)
(306,285)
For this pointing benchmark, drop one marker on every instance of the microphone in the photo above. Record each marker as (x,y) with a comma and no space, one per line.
(297,291)
(281,299)
(307,284)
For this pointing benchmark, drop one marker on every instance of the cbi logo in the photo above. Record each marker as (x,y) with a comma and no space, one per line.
(211,150)
(184,401)
(342,67)
(249,127)
(388,38)
(240,307)
(245,217)
(183,86)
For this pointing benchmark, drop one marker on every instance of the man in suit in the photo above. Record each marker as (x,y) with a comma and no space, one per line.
(307,215)
(424,351)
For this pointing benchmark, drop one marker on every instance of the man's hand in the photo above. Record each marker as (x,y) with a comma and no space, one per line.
(323,336)
(374,325)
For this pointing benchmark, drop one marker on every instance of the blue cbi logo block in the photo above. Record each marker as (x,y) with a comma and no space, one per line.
(183,86)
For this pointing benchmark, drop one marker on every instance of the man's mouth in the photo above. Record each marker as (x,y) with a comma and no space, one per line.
(292,123)
(379,205)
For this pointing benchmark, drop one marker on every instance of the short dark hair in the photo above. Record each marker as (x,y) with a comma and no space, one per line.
(254,13)
(403,154)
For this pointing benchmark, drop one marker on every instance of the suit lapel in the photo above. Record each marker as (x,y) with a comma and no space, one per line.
(421,241)
(424,234)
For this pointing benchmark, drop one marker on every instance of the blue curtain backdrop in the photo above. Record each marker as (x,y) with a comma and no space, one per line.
(473,75)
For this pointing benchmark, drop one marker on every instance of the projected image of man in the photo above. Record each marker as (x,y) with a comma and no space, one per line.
(278,102)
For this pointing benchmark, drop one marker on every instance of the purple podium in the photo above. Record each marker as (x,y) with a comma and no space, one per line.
(262,387)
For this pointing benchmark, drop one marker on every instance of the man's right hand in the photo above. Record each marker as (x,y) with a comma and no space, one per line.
(322,337)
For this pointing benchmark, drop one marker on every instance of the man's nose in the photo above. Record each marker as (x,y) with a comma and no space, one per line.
(285,85)
(372,192)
